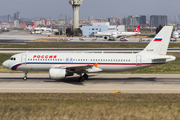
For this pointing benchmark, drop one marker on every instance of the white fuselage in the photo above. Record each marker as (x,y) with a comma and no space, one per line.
(108,62)
(175,34)
(116,34)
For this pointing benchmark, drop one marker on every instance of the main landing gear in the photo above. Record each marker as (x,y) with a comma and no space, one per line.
(84,77)
(25,75)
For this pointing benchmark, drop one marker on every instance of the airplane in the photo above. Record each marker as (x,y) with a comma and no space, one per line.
(62,65)
(116,34)
(28,28)
(175,34)
(43,30)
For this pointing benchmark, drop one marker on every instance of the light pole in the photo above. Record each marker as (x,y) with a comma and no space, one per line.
(65,27)
(61,15)
(151,24)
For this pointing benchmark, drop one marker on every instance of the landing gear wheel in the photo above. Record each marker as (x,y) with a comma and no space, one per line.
(25,75)
(85,76)
(81,79)
(24,78)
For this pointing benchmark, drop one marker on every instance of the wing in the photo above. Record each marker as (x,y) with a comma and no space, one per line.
(80,68)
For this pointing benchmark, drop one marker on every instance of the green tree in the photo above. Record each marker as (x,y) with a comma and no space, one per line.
(69,32)
(77,32)
(158,29)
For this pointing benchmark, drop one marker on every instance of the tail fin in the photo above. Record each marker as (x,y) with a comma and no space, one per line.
(160,43)
(26,26)
(33,26)
(137,29)
(176,26)
(117,26)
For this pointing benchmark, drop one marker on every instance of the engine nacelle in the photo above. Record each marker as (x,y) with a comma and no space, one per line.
(106,37)
(57,74)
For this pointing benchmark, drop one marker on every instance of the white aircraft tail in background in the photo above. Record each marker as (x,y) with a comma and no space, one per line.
(175,33)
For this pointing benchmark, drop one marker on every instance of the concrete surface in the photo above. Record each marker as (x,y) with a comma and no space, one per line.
(97,83)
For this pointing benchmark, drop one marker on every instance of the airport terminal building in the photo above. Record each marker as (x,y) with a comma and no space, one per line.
(89,31)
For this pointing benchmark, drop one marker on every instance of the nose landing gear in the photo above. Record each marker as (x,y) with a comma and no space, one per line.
(25,75)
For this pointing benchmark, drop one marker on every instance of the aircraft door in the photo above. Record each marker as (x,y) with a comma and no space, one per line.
(138,60)
(23,59)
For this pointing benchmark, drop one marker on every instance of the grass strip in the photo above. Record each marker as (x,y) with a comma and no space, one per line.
(89,106)
(110,45)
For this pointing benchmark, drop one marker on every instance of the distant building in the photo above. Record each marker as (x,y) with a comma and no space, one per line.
(142,19)
(8,18)
(5,25)
(14,16)
(44,22)
(124,21)
(134,20)
(17,16)
(16,23)
(89,31)
(112,20)
(95,21)
(156,20)
(90,18)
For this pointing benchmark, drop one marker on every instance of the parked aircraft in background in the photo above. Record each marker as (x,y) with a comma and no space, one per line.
(116,34)
(175,33)
(43,30)
(62,65)
(28,28)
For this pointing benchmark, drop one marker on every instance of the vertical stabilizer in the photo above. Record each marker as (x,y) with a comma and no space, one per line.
(137,29)
(117,26)
(160,43)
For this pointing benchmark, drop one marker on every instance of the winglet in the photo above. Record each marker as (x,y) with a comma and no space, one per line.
(96,64)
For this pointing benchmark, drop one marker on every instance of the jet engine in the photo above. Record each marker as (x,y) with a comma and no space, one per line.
(55,73)
(106,37)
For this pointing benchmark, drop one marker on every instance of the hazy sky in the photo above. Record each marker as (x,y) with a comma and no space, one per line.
(96,8)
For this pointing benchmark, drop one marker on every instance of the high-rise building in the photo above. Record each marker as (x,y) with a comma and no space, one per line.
(112,20)
(16,23)
(17,16)
(142,19)
(133,20)
(8,18)
(156,20)
(14,16)
(124,21)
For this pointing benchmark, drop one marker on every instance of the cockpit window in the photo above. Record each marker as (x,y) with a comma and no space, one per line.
(12,58)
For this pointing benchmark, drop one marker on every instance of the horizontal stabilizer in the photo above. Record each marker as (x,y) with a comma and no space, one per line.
(163,57)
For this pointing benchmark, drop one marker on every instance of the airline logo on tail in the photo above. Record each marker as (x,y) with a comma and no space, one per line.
(137,29)
(158,39)
(26,26)
(33,26)
(117,26)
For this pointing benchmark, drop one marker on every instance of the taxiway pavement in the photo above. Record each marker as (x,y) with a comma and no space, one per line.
(74,50)
(97,83)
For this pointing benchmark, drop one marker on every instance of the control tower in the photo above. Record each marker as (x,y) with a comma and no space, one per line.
(75,5)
